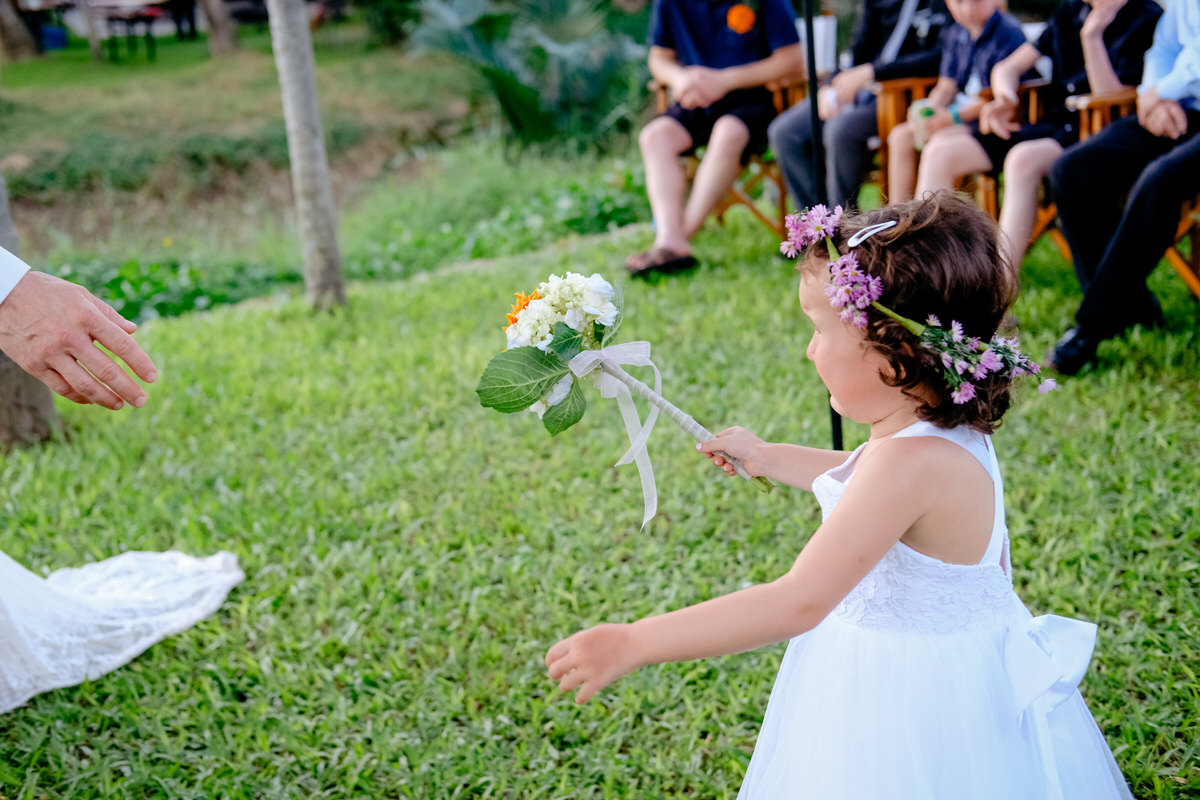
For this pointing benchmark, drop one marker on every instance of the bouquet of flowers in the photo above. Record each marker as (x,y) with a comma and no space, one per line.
(560,338)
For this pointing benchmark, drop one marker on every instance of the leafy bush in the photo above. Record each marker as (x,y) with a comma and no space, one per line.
(143,290)
(388,20)
(115,162)
(557,71)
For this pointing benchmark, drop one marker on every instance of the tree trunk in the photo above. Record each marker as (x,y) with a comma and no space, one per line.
(92,20)
(16,42)
(316,217)
(222,38)
(27,413)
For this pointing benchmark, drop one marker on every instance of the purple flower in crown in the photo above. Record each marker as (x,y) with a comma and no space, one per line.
(851,289)
(988,362)
(812,226)
(964,393)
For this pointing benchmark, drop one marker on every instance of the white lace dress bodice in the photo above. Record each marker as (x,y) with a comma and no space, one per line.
(931,681)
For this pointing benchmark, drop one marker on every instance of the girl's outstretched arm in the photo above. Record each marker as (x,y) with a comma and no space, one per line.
(894,486)
(787,463)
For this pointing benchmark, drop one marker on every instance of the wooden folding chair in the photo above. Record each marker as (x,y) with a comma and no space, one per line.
(762,167)
(892,99)
(1099,110)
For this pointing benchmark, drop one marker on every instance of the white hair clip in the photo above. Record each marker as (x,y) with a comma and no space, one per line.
(869,231)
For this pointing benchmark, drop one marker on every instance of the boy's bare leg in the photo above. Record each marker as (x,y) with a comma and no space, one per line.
(902,164)
(718,170)
(1024,168)
(950,154)
(662,141)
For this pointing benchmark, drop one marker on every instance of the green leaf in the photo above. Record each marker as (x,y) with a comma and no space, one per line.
(516,379)
(567,341)
(562,416)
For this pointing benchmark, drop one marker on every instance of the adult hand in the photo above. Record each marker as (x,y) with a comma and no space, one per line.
(700,87)
(1161,117)
(999,116)
(1100,17)
(740,444)
(592,659)
(50,328)
(849,82)
(827,103)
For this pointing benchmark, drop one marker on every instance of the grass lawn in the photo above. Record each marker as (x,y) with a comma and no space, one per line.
(410,555)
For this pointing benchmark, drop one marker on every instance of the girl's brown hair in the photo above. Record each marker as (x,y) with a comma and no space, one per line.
(942,258)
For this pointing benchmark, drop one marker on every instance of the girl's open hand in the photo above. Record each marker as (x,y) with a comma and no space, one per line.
(738,443)
(592,659)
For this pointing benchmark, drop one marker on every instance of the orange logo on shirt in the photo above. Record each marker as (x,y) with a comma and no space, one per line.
(740,18)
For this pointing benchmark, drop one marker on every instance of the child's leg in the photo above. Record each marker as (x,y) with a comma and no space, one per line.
(1024,168)
(662,141)
(950,154)
(717,171)
(902,164)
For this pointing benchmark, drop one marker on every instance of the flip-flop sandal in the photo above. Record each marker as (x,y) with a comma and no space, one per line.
(658,259)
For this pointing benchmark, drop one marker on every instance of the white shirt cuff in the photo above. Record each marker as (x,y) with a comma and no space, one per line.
(12,269)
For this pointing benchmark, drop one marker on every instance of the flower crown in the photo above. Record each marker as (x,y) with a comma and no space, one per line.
(852,290)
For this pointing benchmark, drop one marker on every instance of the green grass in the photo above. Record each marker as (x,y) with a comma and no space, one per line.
(410,555)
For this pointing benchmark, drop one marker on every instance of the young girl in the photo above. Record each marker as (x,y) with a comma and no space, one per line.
(913,669)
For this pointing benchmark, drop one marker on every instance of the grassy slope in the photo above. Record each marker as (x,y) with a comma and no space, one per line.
(410,555)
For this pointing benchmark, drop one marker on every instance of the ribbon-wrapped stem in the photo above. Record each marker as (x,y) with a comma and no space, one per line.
(684,421)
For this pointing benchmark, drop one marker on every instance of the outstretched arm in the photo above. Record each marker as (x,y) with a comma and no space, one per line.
(998,116)
(50,328)
(891,491)
(792,464)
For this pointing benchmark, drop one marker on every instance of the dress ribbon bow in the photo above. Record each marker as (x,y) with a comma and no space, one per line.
(1045,658)
(634,354)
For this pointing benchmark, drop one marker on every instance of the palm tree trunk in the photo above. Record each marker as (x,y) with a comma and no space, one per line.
(316,216)
(92,20)
(16,42)
(222,38)
(27,413)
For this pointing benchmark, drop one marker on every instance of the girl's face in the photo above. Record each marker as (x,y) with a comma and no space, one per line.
(848,366)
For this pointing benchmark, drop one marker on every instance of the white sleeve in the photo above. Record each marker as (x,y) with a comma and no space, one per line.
(12,269)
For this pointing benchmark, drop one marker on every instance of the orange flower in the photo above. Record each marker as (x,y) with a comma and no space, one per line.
(519,306)
(740,18)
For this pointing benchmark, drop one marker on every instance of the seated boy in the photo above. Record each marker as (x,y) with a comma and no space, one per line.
(981,36)
(714,56)
(1120,193)
(894,39)
(1093,46)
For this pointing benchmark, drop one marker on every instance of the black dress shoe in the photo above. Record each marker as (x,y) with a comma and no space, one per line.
(1151,316)
(1074,350)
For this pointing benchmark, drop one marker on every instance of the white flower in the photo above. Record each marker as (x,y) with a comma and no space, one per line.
(560,390)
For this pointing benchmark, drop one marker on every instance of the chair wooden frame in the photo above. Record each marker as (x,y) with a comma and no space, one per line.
(892,101)
(762,167)
(1098,110)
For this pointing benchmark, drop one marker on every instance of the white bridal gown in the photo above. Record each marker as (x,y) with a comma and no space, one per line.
(81,623)
(931,681)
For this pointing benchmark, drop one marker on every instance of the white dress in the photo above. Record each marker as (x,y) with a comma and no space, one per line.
(931,681)
(81,623)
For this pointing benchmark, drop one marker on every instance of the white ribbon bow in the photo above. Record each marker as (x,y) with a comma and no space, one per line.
(634,354)
(1046,658)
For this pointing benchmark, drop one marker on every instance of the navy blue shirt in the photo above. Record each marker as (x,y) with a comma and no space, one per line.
(970,63)
(699,33)
(1126,40)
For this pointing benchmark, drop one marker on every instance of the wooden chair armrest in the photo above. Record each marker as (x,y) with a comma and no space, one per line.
(904,85)
(1122,98)
(785,91)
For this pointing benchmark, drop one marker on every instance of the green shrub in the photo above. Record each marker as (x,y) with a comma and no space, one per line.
(388,21)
